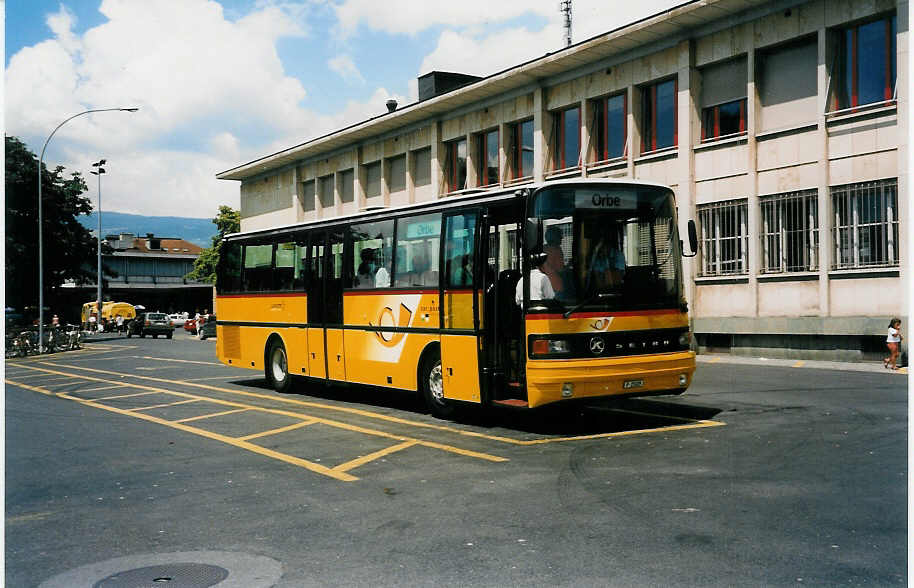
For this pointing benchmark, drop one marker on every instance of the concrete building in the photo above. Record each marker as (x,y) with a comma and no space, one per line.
(780,125)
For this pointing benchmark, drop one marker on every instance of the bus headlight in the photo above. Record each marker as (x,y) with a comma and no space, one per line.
(543,347)
(685,339)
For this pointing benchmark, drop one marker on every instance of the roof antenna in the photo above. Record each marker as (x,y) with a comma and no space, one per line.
(565,8)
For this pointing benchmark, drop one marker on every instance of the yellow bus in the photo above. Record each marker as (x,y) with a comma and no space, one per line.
(549,293)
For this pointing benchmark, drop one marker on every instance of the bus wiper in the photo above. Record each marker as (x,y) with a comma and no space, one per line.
(596,296)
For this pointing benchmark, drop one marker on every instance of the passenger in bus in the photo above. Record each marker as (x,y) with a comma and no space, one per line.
(540,285)
(463,275)
(606,267)
(421,275)
(560,277)
(366,270)
(381,275)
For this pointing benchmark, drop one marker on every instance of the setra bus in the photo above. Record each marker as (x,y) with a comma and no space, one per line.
(524,297)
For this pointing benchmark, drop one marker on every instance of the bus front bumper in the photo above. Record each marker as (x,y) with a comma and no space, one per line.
(553,380)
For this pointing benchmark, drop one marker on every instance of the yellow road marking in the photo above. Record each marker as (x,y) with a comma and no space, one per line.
(176,360)
(714,360)
(167,404)
(124,396)
(55,379)
(799,364)
(277,431)
(372,456)
(337,424)
(105,387)
(374,415)
(209,416)
(225,377)
(27,387)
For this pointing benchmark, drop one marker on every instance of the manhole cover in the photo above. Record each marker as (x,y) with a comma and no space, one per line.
(179,575)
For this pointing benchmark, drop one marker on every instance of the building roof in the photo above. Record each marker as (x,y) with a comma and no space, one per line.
(663,29)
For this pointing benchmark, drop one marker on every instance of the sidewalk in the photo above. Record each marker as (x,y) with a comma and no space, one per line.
(847,366)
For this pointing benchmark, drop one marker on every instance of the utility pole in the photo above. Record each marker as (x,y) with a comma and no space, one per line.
(565,7)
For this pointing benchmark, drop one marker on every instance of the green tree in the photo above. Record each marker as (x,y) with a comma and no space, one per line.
(69,248)
(227,221)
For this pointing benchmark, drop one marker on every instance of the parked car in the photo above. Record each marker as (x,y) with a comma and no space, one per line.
(209,327)
(190,325)
(151,323)
(177,319)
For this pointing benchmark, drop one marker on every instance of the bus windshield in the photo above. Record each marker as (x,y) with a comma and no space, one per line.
(599,248)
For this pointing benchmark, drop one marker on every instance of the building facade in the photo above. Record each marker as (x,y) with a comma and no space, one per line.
(780,126)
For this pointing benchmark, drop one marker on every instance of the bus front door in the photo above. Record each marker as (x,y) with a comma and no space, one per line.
(460,307)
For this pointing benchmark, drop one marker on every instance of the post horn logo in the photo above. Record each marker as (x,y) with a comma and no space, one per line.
(386,319)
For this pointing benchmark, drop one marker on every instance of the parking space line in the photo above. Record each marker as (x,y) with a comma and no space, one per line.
(177,360)
(225,377)
(167,404)
(373,456)
(277,431)
(27,387)
(393,419)
(105,387)
(250,446)
(209,416)
(124,395)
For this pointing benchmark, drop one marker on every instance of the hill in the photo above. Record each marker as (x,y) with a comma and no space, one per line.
(196,230)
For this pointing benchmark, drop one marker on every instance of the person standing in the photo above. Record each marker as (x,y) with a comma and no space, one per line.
(893,342)
(120,323)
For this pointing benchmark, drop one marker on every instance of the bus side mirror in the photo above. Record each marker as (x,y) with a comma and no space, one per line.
(693,239)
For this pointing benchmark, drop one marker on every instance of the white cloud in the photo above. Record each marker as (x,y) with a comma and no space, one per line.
(408,16)
(343,65)
(483,56)
(204,84)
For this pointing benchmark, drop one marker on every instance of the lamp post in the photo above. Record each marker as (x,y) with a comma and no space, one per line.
(41,223)
(99,170)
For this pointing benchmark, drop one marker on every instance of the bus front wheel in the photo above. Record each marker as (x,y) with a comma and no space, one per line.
(432,384)
(277,367)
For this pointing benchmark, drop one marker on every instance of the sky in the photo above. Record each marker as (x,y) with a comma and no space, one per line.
(219,84)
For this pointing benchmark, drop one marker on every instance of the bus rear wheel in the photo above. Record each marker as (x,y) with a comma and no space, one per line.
(431,382)
(276,368)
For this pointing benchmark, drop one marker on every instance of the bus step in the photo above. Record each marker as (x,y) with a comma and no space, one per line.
(512,402)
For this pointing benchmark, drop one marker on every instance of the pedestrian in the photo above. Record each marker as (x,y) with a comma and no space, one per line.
(55,321)
(120,323)
(893,342)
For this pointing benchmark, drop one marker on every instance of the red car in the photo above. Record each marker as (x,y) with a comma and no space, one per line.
(190,325)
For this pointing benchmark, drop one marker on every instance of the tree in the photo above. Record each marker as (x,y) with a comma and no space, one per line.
(69,248)
(227,221)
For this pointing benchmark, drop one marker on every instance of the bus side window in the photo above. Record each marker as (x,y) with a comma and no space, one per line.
(284,267)
(417,251)
(458,251)
(230,267)
(258,268)
(300,274)
(371,254)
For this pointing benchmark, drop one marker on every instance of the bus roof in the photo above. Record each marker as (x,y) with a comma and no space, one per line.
(460,199)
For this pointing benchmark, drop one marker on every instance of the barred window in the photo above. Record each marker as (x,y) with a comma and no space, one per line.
(724,238)
(866,224)
(790,232)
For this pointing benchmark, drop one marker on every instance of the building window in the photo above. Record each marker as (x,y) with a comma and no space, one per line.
(611,127)
(325,191)
(724,238)
(307,195)
(422,167)
(487,158)
(347,188)
(522,149)
(396,166)
(659,116)
(790,232)
(866,224)
(723,120)
(866,63)
(787,84)
(456,165)
(566,139)
(373,180)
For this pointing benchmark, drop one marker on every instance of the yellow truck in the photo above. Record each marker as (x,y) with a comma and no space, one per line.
(110,312)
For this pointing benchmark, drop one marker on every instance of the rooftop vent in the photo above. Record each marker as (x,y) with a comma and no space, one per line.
(391,105)
(437,83)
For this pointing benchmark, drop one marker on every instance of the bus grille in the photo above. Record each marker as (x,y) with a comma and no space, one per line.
(231,342)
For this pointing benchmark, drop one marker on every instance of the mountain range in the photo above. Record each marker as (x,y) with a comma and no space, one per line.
(196,230)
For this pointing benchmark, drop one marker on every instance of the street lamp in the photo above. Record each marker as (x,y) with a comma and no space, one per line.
(98,172)
(41,223)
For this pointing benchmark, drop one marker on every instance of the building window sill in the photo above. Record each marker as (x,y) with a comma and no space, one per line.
(708,144)
(868,272)
(794,130)
(788,277)
(722,279)
(666,153)
(607,165)
(568,172)
(858,112)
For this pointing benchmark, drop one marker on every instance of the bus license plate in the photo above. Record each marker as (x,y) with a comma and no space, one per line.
(632,384)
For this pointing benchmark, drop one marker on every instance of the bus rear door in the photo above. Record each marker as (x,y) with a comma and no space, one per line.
(460,307)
